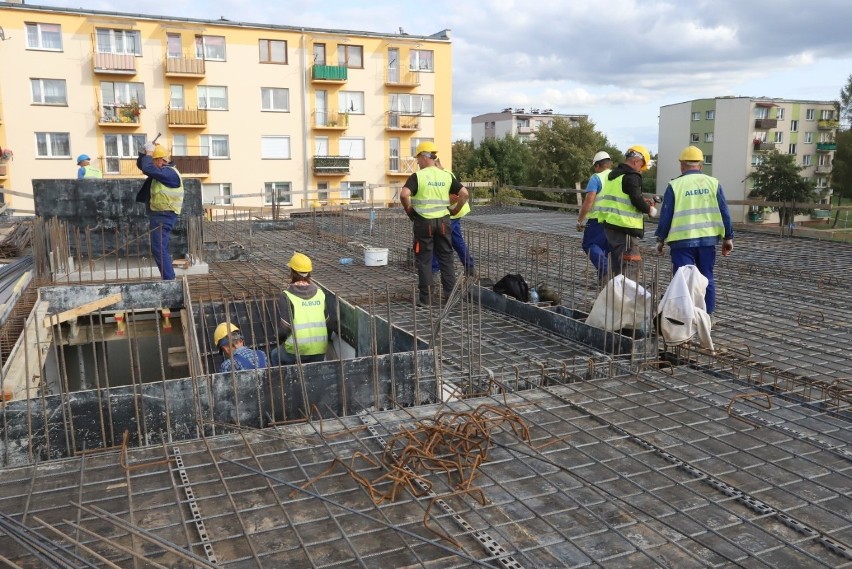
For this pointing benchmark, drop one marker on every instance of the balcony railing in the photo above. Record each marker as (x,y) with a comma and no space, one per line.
(823,168)
(331,120)
(765,123)
(118,63)
(763,146)
(191,165)
(399,121)
(331,165)
(120,115)
(401,78)
(826,146)
(329,73)
(828,124)
(184,66)
(398,166)
(187,118)
(116,166)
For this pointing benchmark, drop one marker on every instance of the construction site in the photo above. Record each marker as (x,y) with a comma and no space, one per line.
(480,431)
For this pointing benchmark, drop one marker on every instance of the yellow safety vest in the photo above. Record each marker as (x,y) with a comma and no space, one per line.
(602,177)
(164,198)
(615,208)
(454,198)
(696,209)
(91,172)
(433,193)
(308,325)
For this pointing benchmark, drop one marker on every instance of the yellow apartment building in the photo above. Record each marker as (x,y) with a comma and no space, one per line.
(260,114)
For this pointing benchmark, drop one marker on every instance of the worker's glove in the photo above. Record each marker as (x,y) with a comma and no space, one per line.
(581,225)
(660,246)
(727,247)
(653,212)
(410,213)
(149,147)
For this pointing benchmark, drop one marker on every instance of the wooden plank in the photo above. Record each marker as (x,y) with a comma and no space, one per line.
(81,310)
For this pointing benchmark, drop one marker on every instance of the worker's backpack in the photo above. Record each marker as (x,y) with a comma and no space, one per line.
(514,286)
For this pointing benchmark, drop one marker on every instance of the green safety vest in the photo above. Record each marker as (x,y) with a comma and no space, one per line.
(696,209)
(91,172)
(433,193)
(614,206)
(465,208)
(308,325)
(164,198)
(602,176)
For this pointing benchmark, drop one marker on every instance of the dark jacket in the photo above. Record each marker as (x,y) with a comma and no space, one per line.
(166,175)
(632,186)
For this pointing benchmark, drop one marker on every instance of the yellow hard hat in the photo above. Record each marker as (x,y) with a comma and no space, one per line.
(425,146)
(160,151)
(639,149)
(222,332)
(300,263)
(691,154)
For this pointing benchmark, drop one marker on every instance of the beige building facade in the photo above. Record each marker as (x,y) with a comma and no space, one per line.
(519,123)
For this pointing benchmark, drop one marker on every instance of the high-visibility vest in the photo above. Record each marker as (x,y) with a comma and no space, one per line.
(602,177)
(164,198)
(308,325)
(455,198)
(615,208)
(91,172)
(433,193)
(696,209)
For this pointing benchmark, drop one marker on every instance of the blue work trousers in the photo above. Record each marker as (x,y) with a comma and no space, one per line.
(596,246)
(704,258)
(460,247)
(280,356)
(161,223)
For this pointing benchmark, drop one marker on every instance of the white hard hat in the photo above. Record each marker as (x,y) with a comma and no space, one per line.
(600,156)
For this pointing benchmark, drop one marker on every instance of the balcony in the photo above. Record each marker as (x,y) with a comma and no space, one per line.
(765,124)
(330,120)
(402,78)
(187,118)
(120,167)
(763,146)
(329,74)
(184,67)
(826,124)
(826,146)
(114,63)
(401,166)
(331,165)
(125,116)
(823,168)
(191,165)
(525,130)
(398,121)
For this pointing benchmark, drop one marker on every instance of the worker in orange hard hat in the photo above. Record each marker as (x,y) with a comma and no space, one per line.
(162,192)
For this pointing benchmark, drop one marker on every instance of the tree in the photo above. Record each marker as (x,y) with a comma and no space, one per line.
(463,157)
(777,179)
(502,159)
(845,103)
(841,170)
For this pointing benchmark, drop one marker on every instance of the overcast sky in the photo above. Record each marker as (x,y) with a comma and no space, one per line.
(617,61)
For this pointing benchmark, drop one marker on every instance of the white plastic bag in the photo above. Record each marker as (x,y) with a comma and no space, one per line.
(622,304)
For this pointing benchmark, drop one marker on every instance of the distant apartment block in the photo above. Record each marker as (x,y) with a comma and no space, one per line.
(735,133)
(261,114)
(515,122)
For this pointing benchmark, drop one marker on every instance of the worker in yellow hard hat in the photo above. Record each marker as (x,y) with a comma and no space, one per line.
(425,196)
(162,192)
(621,208)
(694,218)
(304,322)
(236,355)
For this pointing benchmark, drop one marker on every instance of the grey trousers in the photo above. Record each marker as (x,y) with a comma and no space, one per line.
(433,236)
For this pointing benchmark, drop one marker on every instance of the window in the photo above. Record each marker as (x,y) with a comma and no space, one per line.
(118,41)
(210,48)
(710,115)
(809,138)
(810,114)
(779,114)
(352,190)
(826,115)
(708,137)
(351,56)
(212,98)
(410,104)
(49,91)
(806,160)
(761,113)
(421,60)
(276,192)
(824,160)
(273,51)
(216,193)
(215,145)
(523,123)
(119,93)
(353,148)
(756,160)
(44,36)
(274,99)
(779,137)
(121,146)
(696,116)
(794,126)
(322,191)
(792,148)
(759,137)
(179,147)
(693,137)
(321,146)
(176,98)
(275,147)
(351,102)
(708,159)
(319,54)
(173,46)
(53,145)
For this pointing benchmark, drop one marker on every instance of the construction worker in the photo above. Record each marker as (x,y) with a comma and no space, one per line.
(86,170)
(425,196)
(304,320)
(457,238)
(162,192)
(620,208)
(237,356)
(595,244)
(694,217)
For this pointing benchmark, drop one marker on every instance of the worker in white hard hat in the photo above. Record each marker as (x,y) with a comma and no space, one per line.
(595,244)
(304,322)
(694,218)
(236,355)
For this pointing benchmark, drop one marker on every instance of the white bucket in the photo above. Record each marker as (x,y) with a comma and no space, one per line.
(375,257)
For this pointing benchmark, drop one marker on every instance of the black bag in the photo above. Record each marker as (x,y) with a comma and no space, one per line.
(514,286)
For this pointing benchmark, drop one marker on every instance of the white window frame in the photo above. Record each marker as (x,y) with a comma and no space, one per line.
(207,50)
(809,138)
(355,60)
(267,99)
(810,114)
(284,193)
(351,102)
(275,147)
(210,142)
(221,193)
(269,51)
(354,147)
(708,137)
(120,93)
(205,100)
(41,33)
(826,115)
(779,137)
(119,42)
(38,89)
(126,147)
(412,104)
(779,113)
(792,148)
(710,115)
(794,125)
(421,60)
(694,137)
(180,145)
(696,116)
(48,141)
(806,160)
(761,113)
(708,159)
(353,190)
(172,41)
(177,102)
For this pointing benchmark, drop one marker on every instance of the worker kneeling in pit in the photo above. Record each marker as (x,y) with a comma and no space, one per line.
(304,321)
(237,356)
